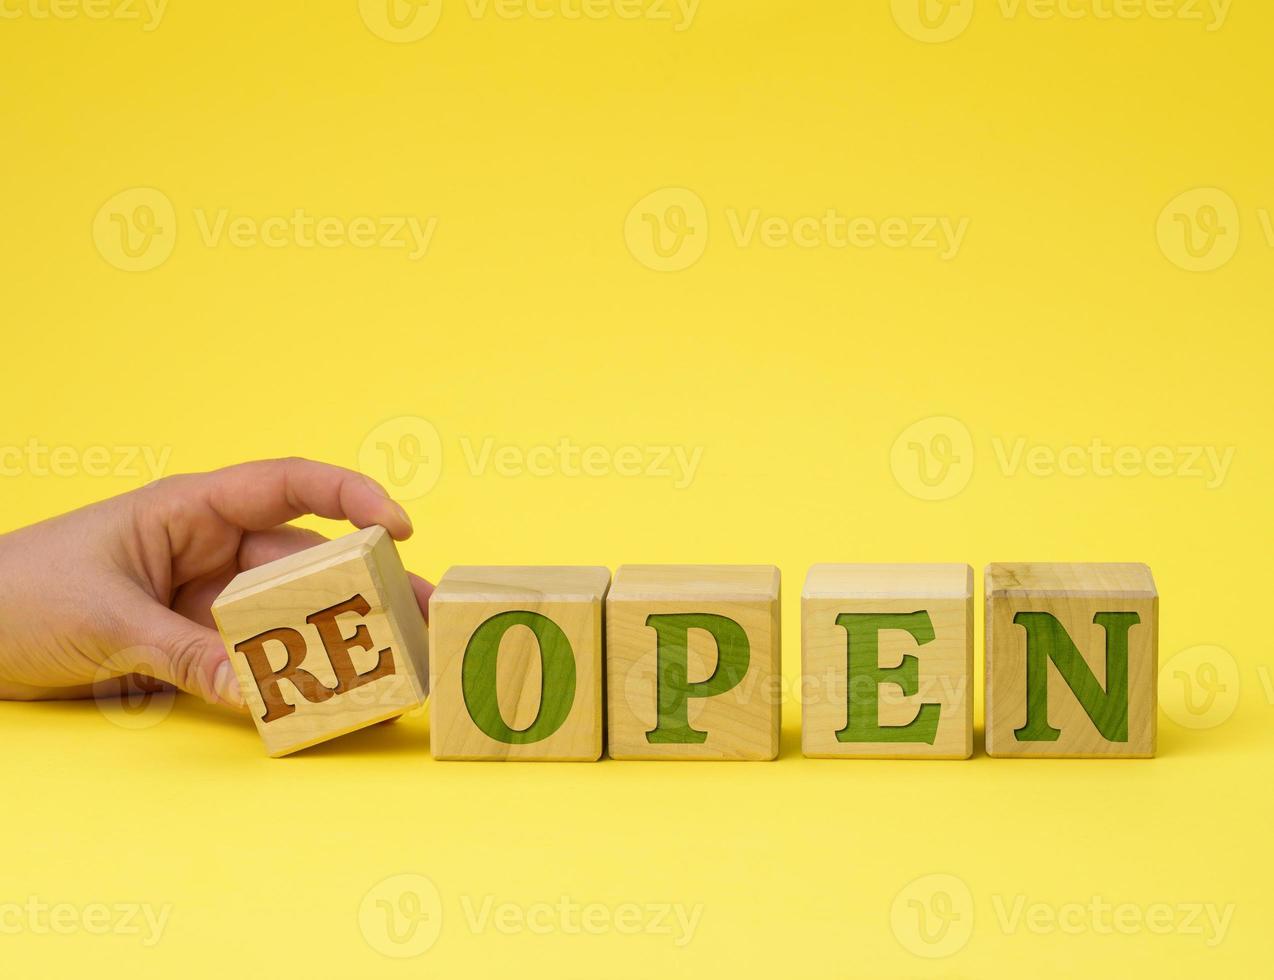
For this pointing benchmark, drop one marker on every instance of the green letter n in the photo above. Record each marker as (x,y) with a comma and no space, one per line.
(1046,640)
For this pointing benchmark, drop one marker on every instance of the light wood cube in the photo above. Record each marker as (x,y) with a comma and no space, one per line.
(517,663)
(887,662)
(326,641)
(1071,660)
(692,662)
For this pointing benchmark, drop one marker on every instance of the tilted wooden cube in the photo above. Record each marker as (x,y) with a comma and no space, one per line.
(692,662)
(1071,660)
(517,663)
(326,641)
(887,662)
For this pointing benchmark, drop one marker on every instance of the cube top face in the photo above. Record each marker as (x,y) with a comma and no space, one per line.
(726,582)
(1131,580)
(693,662)
(498,583)
(887,662)
(292,570)
(517,663)
(867,581)
(325,641)
(1071,661)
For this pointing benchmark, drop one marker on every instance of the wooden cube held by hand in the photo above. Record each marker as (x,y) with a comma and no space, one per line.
(325,641)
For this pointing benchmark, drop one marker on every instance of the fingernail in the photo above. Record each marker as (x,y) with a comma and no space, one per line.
(404,515)
(226,686)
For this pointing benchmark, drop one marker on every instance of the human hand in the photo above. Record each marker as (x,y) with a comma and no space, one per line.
(125,585)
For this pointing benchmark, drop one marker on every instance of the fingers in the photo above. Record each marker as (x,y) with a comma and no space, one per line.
(260,495)
(423,591)
(114,687)
(194,599)
(186,655)
(259,547)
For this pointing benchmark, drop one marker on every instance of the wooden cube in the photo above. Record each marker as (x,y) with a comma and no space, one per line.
(887,662)
(692,662)
(326,641)
(517,663)
(1071,660)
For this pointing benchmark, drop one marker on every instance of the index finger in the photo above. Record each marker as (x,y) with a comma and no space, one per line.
(260,495)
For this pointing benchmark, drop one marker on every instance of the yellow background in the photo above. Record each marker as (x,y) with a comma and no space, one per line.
(1064,318)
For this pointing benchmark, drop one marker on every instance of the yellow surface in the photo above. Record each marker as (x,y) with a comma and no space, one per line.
(1080,151)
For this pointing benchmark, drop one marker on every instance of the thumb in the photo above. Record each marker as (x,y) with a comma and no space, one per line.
(189,656)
